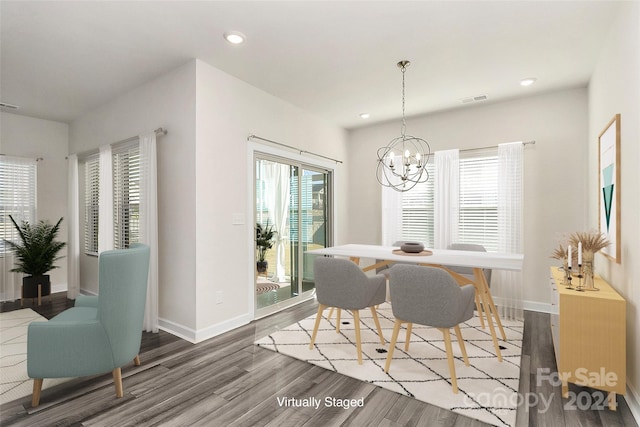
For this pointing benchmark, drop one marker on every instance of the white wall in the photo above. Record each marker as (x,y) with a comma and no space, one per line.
(203,177)
(615,88)
(228,110)
(555,169)
(169,102)
(24,136)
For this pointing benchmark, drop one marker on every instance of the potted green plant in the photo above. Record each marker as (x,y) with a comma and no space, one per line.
(265,236)
(35,255)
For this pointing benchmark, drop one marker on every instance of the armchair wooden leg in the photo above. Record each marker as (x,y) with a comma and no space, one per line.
(392,346)
(356,321)
(377,322)
(330,313)
(479,308)
(117,381)
(37,388)
(408,338)
(338,314)
(463,349)
(452,369)
(315,328)
(136,360)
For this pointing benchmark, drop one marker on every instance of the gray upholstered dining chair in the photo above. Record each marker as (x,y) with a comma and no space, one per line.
(340,283)
(430,296)
(468,271)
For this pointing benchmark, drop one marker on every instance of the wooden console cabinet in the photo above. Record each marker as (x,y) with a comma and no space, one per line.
(589,336)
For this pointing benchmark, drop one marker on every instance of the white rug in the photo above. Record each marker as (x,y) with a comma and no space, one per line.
(488,388)
(14,380)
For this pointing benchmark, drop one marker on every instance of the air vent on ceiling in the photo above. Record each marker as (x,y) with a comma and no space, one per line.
(473,99)
(8,106)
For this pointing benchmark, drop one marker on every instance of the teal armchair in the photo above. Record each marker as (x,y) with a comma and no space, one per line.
(99,335)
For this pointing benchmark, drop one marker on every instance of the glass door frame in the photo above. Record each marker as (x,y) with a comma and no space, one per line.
(259,152)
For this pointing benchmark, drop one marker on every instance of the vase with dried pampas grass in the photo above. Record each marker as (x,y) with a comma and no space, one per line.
(592,242)
(561,253)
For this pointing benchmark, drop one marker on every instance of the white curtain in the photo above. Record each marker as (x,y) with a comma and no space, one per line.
(281,217)
(392,211)
(277,183)
(149,224)
(18,199)
(73,226)
(446,198)
(105,197)
(507,286)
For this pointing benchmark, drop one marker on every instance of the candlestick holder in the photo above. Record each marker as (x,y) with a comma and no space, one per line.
(579,287)
(569,278)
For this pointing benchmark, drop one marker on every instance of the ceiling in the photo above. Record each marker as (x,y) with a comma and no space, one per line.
(335,59)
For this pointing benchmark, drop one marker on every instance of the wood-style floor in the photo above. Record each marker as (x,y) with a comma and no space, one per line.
(227,381)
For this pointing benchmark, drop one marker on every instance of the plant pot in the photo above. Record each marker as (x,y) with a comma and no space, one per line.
(30,286)
(262,266)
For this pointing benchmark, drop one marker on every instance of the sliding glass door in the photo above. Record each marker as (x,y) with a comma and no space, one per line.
(293,200)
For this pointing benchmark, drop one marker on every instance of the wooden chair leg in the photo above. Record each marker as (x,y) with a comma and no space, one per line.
(377,322)
(338,315)
(463,349)
(356,321)
(37,388)
(330,313)
(452,369)
(315,328)
(408,337)
(117,381)
(392,346)
(136,360)
(479,309)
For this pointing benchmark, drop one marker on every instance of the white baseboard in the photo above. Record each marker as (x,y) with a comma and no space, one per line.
(542,307)
(59,288)
(196,336)
(177,330)
(633,401)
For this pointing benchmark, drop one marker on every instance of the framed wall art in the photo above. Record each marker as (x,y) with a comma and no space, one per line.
(609,187)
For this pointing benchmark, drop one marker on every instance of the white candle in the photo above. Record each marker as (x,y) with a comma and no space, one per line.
(569,256)
(579,253)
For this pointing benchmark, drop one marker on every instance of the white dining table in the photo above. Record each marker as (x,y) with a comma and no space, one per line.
(442,258)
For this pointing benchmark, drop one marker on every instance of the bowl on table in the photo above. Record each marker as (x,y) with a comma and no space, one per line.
(412,247)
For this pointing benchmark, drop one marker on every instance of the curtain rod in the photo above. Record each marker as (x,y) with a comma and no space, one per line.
(252,136)
(495,146)
(37,159)
(159,132)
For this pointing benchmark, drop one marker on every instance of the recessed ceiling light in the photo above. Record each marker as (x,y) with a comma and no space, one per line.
(528,81)
(234,37)
(365,115)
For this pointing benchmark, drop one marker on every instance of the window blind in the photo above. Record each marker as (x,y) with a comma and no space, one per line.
(17,195)
(126,194)
(417,211)
(91,203)
(478,222)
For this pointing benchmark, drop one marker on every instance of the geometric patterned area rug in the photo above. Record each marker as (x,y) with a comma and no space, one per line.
(265,285)
(15,383)
(487,388)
